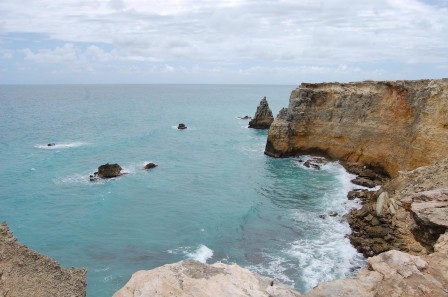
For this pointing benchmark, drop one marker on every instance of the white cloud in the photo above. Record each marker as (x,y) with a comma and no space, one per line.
(324,34)
(66,54)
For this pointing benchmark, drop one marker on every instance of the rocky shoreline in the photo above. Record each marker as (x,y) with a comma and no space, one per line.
(393,134)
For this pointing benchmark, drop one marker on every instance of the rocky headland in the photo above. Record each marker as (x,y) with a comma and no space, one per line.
(24,272)
(385,126)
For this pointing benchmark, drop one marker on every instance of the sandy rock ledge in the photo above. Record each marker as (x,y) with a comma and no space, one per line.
(26,273)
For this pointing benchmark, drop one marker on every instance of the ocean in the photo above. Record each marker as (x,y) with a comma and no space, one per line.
(213,197)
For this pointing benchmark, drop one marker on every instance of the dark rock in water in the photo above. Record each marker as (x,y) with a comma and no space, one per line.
(263,117)
(332,213)
(51,144)
(363,181)
(322,216)
(310,164)
(150,166)
(181,126)
(246,117)
(109,170)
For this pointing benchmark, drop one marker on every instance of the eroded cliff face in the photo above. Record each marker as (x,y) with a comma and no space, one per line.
(386,126)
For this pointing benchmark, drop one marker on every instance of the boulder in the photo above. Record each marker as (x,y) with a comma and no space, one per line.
(246,117)
(362,194)
(181,126)
(363,181)
(310,164)
(150,166)
(109,170)
(263,117)
(51,144)
(382,201)
(192,278)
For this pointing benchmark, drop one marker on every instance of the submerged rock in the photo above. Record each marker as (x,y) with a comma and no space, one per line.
(150,166)
(181,126)
(263,117)
(51,144)
(24,272)
(246,117)
(109,170)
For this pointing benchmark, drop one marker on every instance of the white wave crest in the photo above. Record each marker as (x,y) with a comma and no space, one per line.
(202,254)
(62,145)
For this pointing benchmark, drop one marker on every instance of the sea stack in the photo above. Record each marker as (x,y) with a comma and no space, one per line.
(109,170)
(263,117)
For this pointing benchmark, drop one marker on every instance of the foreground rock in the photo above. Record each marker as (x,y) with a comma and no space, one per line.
(393,273)
(24,272)
(109,170)
(181,126)
(263,116)
(192,278)
(385,126)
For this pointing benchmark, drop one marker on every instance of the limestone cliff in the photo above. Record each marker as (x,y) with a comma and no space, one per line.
(386,126)
(24,272)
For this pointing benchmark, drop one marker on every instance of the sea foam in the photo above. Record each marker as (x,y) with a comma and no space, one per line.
(201,254)
(63,145)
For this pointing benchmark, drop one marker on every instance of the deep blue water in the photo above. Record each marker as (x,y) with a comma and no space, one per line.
(214,190)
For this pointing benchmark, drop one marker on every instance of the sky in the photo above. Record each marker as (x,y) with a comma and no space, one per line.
(221,41)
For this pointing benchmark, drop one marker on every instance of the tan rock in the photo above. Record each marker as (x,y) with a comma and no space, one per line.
(393,273)
(441,245)
(383,125)
(24,272)
(382,201)
(192,278)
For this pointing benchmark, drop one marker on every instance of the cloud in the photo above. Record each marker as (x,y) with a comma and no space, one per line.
(229,30)
(256,32)
(66,54)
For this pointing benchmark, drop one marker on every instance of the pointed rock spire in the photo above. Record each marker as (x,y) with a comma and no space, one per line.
(263,117)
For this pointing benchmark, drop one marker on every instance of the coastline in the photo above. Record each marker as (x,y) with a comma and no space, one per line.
(405,210)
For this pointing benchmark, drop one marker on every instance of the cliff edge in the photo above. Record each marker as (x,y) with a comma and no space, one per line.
(387,126)
(24,272)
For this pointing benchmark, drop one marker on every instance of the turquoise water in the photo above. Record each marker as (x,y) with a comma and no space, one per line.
(214,196)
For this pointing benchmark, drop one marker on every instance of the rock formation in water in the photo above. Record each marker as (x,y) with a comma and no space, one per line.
(181,126)
(150,166)
(24,272)
(263,116)
(192,278)
(386,126)
(109,170)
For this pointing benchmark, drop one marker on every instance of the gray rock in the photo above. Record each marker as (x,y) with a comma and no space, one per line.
(263,117)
